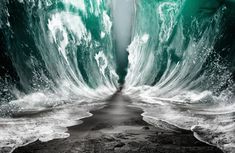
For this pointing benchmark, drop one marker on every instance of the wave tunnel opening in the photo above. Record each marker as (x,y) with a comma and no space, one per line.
(123,14)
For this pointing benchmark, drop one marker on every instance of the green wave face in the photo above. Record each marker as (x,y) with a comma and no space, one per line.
(60,46)
(176,45)
(81,33)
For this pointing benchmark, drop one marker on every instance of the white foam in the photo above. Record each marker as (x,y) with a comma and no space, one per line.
(211,122)
(102,34)
(107,22)
(46,126)
(77,3)
(102,62)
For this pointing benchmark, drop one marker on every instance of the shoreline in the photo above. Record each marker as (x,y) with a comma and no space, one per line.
(120,128)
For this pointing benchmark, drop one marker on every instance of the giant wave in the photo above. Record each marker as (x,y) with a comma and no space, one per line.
(58,61)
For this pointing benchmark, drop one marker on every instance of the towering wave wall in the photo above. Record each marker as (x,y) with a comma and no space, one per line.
(181,67)
(52,53)
(59,48)
(176,46)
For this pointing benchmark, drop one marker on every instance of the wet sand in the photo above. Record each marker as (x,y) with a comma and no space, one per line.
(119,128)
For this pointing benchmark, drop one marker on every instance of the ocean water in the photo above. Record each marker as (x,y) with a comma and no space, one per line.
(59,59)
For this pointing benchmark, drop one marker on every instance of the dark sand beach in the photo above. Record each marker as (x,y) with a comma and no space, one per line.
(119,128)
